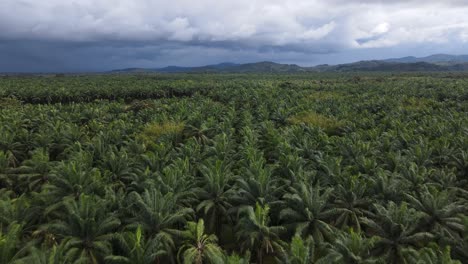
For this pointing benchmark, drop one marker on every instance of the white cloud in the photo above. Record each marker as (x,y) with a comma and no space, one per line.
(381,28)
(464,36)
(319,33)
(179,29)
(251,23)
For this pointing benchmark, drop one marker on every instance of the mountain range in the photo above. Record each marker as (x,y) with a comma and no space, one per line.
(433,63)
(436,58)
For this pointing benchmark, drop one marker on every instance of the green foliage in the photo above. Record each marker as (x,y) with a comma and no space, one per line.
(325,95)
(238,168)
(430,254)
(352,247)
(309,212)
(9,102)
(256,234)
(55,255)
(328,124)
(86,228)
(199,247)
(134,247)
(236,259)
(301,251)
(416,104)
(154,132)
(10,243)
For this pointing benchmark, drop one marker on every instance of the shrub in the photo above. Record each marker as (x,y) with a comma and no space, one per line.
(416,104)
(156,131)
(328,124)
(139,105)
(9,102)
(325,95)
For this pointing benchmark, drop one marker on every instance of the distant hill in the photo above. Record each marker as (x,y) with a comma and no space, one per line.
(382,66)
(432,59)
(264,66)
(433,63)
(174,69)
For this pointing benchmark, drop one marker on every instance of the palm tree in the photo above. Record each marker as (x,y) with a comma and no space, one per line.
(158,215)
(256,182)
(385,186)
(5,180)
(192,150)
(351,197)
(55,255)
(429,255)
(415,177)
(213,194)
(11,146)
(440,212)
(86,228)
(304,251)
(157,159)
(199,247)
(177,179)
(397,229)
(272,142)
(25,210)
(99,146)
(351,248)
(460,162)
(135,248)
(139,180)
(308,211)
(10,249)
(64,136)
(329,168)
(71,179)
(236,259)
(222,147)
(461,250)
(255,233)
(34,172)
(201,133)
(447,180)
(117,167)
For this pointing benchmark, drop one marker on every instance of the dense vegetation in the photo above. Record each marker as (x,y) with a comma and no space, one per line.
(234,169)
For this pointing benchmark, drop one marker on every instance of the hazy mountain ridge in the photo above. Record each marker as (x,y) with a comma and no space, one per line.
(393,67)
(264,66)
(432,59)
(437,62)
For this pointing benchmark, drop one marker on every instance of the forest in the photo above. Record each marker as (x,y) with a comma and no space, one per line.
(234,168)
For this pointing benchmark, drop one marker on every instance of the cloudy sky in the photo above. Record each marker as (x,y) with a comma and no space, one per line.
(94,35)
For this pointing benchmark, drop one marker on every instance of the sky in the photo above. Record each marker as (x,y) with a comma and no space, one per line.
(100,35)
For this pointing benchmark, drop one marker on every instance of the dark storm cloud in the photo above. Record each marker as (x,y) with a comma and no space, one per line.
(53,35)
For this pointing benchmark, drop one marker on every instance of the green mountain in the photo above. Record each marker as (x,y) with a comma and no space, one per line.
(433,63)
(382,66)
(264,66)
(436,58)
